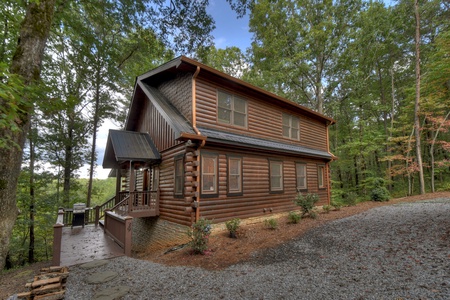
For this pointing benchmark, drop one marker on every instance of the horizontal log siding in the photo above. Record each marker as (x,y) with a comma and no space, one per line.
(171,208)
(257,199)
(179,93)
(264,119)
(153,123)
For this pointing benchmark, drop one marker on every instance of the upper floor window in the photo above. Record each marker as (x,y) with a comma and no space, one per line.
(232,109)
(300,170)
(276,175)
(234,175)
(291,127)
(209,174)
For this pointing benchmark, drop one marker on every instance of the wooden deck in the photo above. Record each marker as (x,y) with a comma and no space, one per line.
(80,245)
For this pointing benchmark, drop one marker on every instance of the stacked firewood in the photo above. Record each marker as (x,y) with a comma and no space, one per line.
(50,284)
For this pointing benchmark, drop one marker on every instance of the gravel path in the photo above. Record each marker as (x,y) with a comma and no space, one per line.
(392,252)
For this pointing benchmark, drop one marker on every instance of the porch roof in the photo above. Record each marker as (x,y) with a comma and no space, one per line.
(125,146)
(257,143)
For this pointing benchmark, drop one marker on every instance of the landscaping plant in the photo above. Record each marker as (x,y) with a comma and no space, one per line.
(232,226)
(199,234)
(294,217)
(307,203)
(271,223)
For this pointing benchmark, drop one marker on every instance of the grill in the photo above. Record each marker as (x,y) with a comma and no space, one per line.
(79,211)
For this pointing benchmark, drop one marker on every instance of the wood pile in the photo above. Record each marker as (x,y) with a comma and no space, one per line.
(50,284)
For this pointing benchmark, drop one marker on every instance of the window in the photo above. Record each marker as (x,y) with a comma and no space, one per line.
(276,176)
(209,174)
(231,109)
(291,127)
(234,175)
(300,171)
(321,176)
(179,176)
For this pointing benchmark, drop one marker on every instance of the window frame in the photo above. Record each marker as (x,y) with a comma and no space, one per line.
(239,192)
(305,187)
(291,119)
(271,176)
(232,110)
(178,159)
(321,176)
(215,192)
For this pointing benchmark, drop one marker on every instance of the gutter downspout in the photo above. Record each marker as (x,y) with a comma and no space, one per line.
(194,125)
(328,165)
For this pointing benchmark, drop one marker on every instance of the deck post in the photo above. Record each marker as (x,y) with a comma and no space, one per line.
(128,232)
(97,215)
(57,238)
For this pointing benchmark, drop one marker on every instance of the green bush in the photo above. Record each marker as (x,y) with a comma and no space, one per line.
(336,205)
(307,203)
(351,199)
(271,223)
(326,208)
(380,194)
(199,234)
(232,226)
(294,217)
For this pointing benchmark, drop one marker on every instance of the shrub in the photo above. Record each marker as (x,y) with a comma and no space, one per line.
(336,205)
(271,223)
(307,203)
(199,234)
(326,208)
(294,217)
(351,199)
(232,226)
(380,194)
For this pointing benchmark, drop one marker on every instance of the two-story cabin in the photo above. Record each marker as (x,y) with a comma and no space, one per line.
(200,143)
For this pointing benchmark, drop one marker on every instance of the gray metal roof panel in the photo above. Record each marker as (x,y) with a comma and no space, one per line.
(129,145)
(220,136)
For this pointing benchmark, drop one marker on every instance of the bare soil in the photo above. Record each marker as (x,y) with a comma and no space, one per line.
(224,251)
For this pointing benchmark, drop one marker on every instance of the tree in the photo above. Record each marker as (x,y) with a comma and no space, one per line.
(26,63)
(417,100)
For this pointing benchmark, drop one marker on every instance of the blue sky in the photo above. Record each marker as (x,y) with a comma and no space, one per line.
(230,31)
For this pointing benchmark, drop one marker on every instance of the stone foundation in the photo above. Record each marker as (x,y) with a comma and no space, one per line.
(155,234)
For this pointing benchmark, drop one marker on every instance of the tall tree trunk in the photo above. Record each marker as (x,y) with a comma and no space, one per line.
(94,137)
(26,62)
(32,200)
(417,102)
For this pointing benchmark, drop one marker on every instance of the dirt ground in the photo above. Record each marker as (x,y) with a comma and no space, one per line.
(224,251)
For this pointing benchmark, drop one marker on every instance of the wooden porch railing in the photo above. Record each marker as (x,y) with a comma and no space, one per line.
(57,238)
(101,209)
(138,204)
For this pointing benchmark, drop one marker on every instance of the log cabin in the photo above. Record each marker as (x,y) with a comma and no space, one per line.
(199,143)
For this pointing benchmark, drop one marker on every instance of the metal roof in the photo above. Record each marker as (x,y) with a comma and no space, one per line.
(251,142)
(129,145)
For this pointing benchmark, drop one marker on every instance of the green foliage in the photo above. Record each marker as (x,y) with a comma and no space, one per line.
(336,205)
(233,225)
(379,192)
(199,234)
(351,199)
(294,217)
(271,223)
(326,208)
(307,203)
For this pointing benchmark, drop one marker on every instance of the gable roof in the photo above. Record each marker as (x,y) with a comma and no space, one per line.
(251,142)
(124,146)
(184,64)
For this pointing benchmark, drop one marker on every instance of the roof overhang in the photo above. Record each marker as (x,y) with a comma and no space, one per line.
(124,146)
(242,141)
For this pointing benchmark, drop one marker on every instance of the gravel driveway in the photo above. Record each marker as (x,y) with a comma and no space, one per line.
(392,252)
